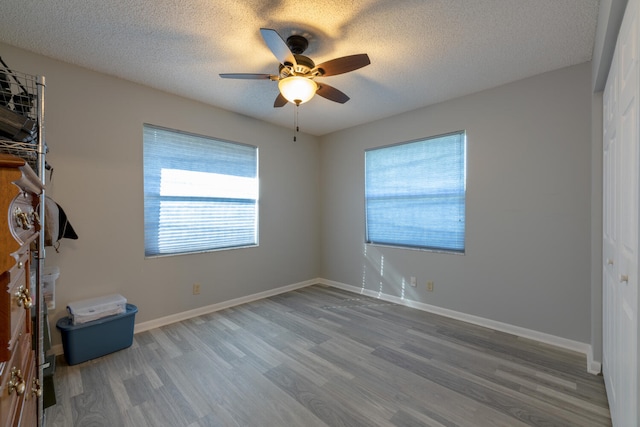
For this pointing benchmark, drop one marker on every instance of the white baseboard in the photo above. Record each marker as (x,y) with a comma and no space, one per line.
(593,367)
(178,317)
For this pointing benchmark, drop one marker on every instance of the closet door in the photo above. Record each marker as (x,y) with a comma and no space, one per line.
(620,234)
(628,215)
(610,295)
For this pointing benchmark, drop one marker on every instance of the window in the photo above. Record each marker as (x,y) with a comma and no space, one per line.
(200,193)
(415,194)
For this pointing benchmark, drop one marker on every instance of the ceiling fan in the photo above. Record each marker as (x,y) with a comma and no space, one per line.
(297,73)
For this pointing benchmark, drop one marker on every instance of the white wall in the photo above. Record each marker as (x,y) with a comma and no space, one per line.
(528,207)
(94,131)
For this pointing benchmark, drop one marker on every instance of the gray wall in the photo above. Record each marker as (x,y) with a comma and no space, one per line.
(609,19)
(528,206)
(94,131)
(596,226)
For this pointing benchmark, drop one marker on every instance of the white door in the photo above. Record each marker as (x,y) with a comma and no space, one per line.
(628,238)
(620,220)
(610,240)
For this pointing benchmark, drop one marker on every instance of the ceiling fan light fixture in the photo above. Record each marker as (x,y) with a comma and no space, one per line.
(297,89)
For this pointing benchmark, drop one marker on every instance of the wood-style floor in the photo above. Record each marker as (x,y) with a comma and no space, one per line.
(320,356)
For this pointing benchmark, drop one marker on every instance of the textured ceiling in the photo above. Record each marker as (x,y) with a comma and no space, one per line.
(422,51)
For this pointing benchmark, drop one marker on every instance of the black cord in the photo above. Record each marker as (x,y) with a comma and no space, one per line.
(295,124)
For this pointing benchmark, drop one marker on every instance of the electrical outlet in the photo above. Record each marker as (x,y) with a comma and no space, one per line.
(196,288)
(413,282)
(430,286)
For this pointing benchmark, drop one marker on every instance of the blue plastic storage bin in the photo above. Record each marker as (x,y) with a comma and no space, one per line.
(97,338)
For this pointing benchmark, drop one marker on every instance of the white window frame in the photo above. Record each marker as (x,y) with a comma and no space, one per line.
(415,194)
(191,184)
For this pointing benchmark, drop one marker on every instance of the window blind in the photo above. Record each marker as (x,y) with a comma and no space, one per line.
(415,194)
(200,193)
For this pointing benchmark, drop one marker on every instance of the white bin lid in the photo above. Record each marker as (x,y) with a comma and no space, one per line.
(96,305)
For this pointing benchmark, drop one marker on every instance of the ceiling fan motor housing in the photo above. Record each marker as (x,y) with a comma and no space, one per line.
(304,64)
(297,44)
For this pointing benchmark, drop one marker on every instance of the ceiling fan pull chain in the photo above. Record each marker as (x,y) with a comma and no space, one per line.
(295,124)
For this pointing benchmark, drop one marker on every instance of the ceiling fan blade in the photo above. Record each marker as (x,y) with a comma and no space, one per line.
(343,64)
(247,76)
(280,101)
(277,46)
(331,93)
